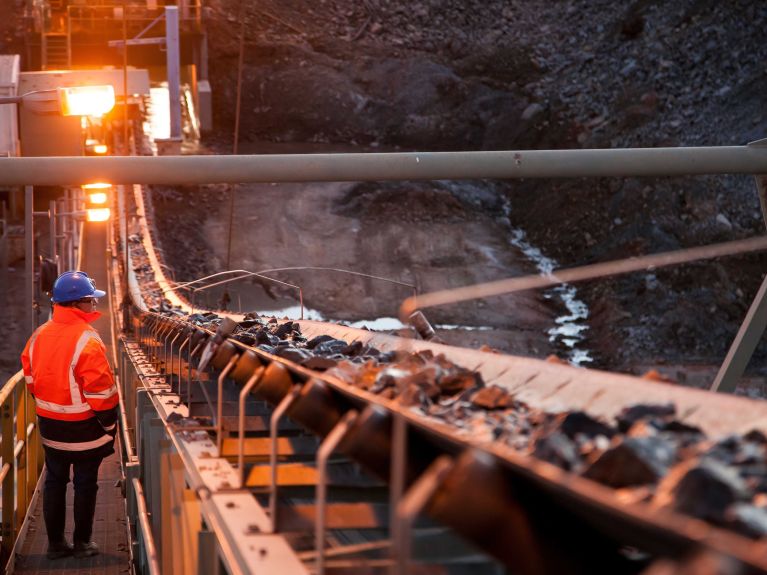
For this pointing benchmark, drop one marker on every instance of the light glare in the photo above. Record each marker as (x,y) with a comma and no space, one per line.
(98,214)
(98,198)
(86,100)
(97,186)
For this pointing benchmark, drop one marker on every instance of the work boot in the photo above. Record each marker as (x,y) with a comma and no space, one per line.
(88,549)
(58,550)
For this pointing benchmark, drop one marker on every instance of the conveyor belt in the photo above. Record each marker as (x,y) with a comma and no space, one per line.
(518,492)
(516,508)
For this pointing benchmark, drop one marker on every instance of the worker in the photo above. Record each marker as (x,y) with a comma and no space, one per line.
(67,372)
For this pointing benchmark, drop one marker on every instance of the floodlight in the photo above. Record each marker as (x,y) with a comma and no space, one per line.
(86,100)
(98,214)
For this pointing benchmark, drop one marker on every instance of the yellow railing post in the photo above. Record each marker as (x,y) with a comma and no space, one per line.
(22,462)
(6,450)
(22,495)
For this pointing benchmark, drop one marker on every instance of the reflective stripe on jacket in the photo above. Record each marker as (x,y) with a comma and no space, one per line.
(66,368)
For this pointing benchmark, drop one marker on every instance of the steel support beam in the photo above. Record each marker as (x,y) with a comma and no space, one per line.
(753,326)
(29,257)
(189,170)
(172,61)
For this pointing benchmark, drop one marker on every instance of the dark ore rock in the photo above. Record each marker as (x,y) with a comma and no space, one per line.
(353,349)
(730,450)
(319,363)
(630,415)
(330,347)
(315,341)
(284,330)
(634,461)
(370,351)
(676,426)
(756,436)
(705,488)
(558,449)
(293,354)
(747,520)
(577,422)
(263,336)
(246,338)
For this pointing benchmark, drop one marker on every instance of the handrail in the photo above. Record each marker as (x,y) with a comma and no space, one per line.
(146,529)
(343,271)
(22,460)
(248,275)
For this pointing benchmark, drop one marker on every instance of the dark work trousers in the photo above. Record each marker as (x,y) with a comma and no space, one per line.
(86,474)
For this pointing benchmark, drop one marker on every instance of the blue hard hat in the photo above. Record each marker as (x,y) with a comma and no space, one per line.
(71,286)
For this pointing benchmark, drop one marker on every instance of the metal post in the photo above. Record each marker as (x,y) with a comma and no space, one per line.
(52,232)
(274,424)
(126,147)
(752,328)
(220,400)
(207,555)
(174,70)
(189,376)
(327,447)
(745,343)
(8,438)
(397,480)
(29,256)
(411,505)
(254,379)
(180,361)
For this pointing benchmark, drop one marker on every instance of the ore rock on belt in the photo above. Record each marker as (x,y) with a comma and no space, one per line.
(715,481)
(747,519)
(634,413)
(493,397)
(579,422)
(633,461)
(703,488)
(558,449)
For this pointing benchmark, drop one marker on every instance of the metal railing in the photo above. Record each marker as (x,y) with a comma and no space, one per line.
(22,459)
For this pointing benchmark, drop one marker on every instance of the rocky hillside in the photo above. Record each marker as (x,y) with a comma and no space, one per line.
(471,75)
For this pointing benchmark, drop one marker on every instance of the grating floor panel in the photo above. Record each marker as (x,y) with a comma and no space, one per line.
(109,532)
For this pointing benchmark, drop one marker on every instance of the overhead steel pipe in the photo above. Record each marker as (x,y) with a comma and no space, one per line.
(189,170)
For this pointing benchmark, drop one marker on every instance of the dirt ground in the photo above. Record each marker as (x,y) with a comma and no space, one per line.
(506,75)
(415,234)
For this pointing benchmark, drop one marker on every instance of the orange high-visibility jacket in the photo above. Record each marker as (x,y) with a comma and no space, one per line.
(66,368)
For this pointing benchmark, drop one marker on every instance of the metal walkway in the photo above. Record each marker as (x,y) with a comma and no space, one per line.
(109,526)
